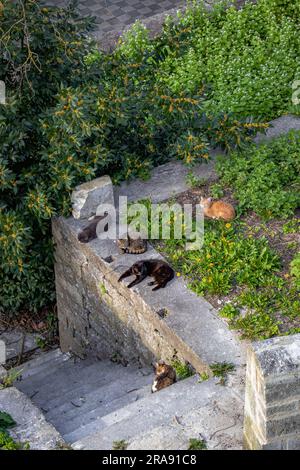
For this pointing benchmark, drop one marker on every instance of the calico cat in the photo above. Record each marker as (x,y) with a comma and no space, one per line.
(165,376)
(133,246)
(156,268)
(217,210)
(89,232)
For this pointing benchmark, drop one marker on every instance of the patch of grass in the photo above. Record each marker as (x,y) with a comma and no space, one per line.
(261,306)
(216,191)
(221,370)
(227,259)
(183,369)
(203,376)
(120,445)
(194,181)
(295,270)
(265,178)
(197,444)
(229,311)
(292,226)
(256,326)
(9,379)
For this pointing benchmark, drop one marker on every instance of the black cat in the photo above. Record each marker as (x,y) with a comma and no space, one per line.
(158,269)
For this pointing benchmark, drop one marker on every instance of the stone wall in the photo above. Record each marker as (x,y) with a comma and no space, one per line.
(272,405)
(100,316)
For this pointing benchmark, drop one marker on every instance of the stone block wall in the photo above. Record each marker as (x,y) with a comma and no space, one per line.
(97,315)
(100,316)
(272,403)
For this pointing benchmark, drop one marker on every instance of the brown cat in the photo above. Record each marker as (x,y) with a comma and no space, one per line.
(156,268)
(217,210)
(89,232)
(165,376)
(134,246)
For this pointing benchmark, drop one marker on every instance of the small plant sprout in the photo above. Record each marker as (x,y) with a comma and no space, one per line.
(197,444)
(120,445)
(183,369)
(221,370)
(194,181)
(9,379)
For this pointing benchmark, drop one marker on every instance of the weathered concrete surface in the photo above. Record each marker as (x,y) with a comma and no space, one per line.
(166,181)
(31,425)
(18,341)
(279,126)
(174,173)
(99,315)
(74,394)
(187,409)
(87,197)
(272,405)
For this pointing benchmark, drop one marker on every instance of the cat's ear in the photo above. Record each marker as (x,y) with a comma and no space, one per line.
(209,199)
(161,362)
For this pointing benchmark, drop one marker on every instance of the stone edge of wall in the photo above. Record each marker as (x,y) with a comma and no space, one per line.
(272,401)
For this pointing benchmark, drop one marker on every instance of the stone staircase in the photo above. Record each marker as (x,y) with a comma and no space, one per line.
(92,404)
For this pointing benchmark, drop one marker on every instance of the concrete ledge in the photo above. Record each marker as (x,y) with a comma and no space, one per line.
(31,425)
(174,173)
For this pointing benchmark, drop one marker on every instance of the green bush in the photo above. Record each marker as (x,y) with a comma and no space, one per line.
(266,178)
(40,49)
(248,59)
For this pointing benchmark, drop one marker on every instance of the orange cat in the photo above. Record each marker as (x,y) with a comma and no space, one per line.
(217,210)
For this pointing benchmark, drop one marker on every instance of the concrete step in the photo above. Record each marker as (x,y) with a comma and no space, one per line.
(219,425)
(31,427)
(68,378)
(46,362)
(100,395)
(81,426)
(100,375)
(157,409)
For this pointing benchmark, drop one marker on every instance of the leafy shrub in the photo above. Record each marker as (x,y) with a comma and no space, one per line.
(40,49)
(6,422)
(266,178)
(247,58)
